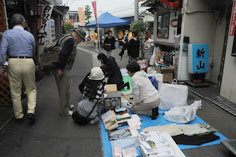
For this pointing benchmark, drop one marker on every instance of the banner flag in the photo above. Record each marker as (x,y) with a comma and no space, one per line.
(45,17)
(81,15)
(95,10)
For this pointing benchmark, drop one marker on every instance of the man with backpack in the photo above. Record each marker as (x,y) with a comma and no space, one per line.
(64,65)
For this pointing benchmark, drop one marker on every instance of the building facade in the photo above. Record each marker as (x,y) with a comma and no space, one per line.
(199,22)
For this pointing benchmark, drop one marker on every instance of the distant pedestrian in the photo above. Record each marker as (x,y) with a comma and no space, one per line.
(66,61)
(109,43)
(133,48)
(95,39)
(125,42)
(19,46)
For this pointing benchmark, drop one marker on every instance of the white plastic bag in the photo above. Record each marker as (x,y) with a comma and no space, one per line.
(153,57)
(172,95)
(183,114)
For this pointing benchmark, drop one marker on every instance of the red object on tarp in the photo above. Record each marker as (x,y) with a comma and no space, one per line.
(172,4)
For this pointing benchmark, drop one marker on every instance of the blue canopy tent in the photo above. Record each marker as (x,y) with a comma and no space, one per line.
(108,20)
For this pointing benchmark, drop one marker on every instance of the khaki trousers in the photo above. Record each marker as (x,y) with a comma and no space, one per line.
(145,108)
(22,71)
(63,86)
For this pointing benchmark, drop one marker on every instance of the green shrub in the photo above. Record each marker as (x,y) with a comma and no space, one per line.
(68,26)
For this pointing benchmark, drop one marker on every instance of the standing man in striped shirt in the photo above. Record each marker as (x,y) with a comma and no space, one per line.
(19,45)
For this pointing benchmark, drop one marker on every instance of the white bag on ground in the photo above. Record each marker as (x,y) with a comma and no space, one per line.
(172,95)
(153,57)
(183,114)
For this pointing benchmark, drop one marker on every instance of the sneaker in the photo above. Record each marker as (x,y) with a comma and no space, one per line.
(69,113)
(19,120)
(95,120)
(71,107)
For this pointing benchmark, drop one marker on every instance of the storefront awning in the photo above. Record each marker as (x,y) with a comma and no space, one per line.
(153,4)
(60,9)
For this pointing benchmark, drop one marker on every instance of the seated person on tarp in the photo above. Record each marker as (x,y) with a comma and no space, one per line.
(144,93)
(92,93)
(111,70)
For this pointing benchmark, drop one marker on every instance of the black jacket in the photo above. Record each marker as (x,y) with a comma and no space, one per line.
(112,71)
(111,41)
(133,48)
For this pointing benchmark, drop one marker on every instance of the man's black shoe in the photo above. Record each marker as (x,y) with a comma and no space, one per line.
(19,120)
(31,117)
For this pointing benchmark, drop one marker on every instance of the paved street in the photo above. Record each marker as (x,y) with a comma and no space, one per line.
(53,135)
(57,136)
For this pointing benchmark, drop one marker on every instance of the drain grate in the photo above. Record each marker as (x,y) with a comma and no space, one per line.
(211,94)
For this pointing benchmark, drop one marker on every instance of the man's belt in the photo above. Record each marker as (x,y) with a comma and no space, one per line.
(20,57)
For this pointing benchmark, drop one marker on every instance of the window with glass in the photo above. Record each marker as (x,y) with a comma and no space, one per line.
(163,26)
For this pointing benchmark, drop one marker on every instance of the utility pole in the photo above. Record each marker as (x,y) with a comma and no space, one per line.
(136,7)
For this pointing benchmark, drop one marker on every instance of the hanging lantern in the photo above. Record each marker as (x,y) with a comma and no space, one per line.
(172,4)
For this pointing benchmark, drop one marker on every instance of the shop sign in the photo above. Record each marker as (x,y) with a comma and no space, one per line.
(198,58)
(233,20)
(45,17)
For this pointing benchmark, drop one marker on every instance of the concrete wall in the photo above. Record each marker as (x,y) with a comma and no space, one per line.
(199,25)
(228,86)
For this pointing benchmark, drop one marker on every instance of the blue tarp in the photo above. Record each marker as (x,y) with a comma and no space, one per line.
(148,122)
(108,20)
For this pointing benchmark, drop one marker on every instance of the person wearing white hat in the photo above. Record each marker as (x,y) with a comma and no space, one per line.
(66,61)
(92,93)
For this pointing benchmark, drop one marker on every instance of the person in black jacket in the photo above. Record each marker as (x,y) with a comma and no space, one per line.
(133,48)
(111,70)
(109,43)
(125,41)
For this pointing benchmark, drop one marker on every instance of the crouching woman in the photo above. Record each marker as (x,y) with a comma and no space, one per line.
(87,109)
(145,95)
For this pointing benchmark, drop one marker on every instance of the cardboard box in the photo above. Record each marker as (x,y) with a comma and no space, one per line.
(168,73)
(168,77)
(112,101)
(111,88)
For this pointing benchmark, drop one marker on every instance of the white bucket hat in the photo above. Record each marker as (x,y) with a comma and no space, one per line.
(96,73)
